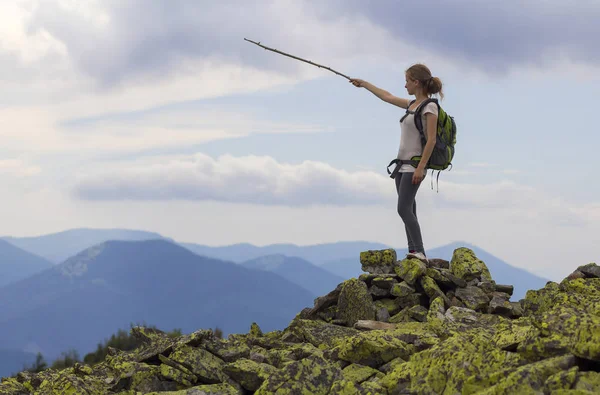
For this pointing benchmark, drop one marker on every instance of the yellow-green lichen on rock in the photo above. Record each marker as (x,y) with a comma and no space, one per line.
(445,367)
(378,261)
(206,366)
(206,389)
(312,375)
(562,380)
(359,373)
(466,265)
(547,343)
(347,387)
(355,303)
(410,270)
(317,333)
(372,348)
(248,373)
(589,381)
(531,378)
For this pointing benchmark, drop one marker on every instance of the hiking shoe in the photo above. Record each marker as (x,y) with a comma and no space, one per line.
(418,255)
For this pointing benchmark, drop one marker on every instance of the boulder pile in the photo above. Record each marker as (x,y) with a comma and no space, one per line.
(403,327)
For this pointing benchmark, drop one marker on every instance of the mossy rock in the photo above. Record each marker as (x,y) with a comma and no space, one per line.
(207,389)
(355,303)
(373,348)
(248,373)
(467,266)
(312,375)
(410,270)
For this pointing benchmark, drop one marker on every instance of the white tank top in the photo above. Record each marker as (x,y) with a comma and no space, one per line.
(410,138)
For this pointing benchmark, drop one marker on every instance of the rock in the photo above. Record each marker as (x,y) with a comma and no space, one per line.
(377,293)
(531,377)
(489,287)
(316,333)
(206,366)
(562,380)
(373,348)
(590,270)
(378,262)
(388,367)
(432,290)
(473,297)
(517,309)
(391,305)
(324,302)
(446,366)
(312,375)
(248,373)
(358,373)
(355,303)
(370,325)
(345,386)
(418,312)
(384,282)
(438,263)
(383,314)
(447,333)
(467,266)
(500,304)
(210,389)
(443,281)
(508,289)
(459,282)
(436,310)
(401,316)
(410,270)
(588,381)
(402,289)
(368,278)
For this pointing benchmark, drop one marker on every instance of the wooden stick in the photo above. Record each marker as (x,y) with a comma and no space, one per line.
(295,57)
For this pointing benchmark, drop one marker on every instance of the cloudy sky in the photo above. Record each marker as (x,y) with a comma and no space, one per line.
(160,116)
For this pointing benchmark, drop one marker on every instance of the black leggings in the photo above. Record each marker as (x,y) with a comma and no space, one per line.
(407,209)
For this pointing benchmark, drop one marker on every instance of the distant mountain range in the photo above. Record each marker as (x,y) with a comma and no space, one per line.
(107,287)
(17,264)
(299,271)
(341,258)
(75,288)
(57,247)
(317,254)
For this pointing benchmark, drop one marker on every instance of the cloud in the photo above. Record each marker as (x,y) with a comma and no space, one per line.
(136,38)
(250,179)
(493,35)
(262,180)
(18,168)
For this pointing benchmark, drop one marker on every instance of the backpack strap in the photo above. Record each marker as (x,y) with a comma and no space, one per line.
(407,110)
(399,163)
(418,121)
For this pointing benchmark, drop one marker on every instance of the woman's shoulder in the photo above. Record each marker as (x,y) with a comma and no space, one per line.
(431,107)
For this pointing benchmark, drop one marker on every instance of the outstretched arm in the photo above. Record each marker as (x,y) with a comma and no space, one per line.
(380,93)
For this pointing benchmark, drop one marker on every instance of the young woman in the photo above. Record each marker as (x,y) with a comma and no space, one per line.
(421,84)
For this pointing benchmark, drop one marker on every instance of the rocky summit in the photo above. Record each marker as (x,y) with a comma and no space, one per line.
(402,327)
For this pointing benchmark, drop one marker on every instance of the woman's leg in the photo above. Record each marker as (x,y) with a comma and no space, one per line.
(407,209)
(411,244)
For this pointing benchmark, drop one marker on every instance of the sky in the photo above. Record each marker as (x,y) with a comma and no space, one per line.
(159,116)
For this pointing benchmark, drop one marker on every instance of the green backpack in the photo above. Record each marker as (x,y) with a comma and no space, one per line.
(443,151)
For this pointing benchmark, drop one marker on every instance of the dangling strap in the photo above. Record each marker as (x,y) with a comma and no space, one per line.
(399,163)
(431,179)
